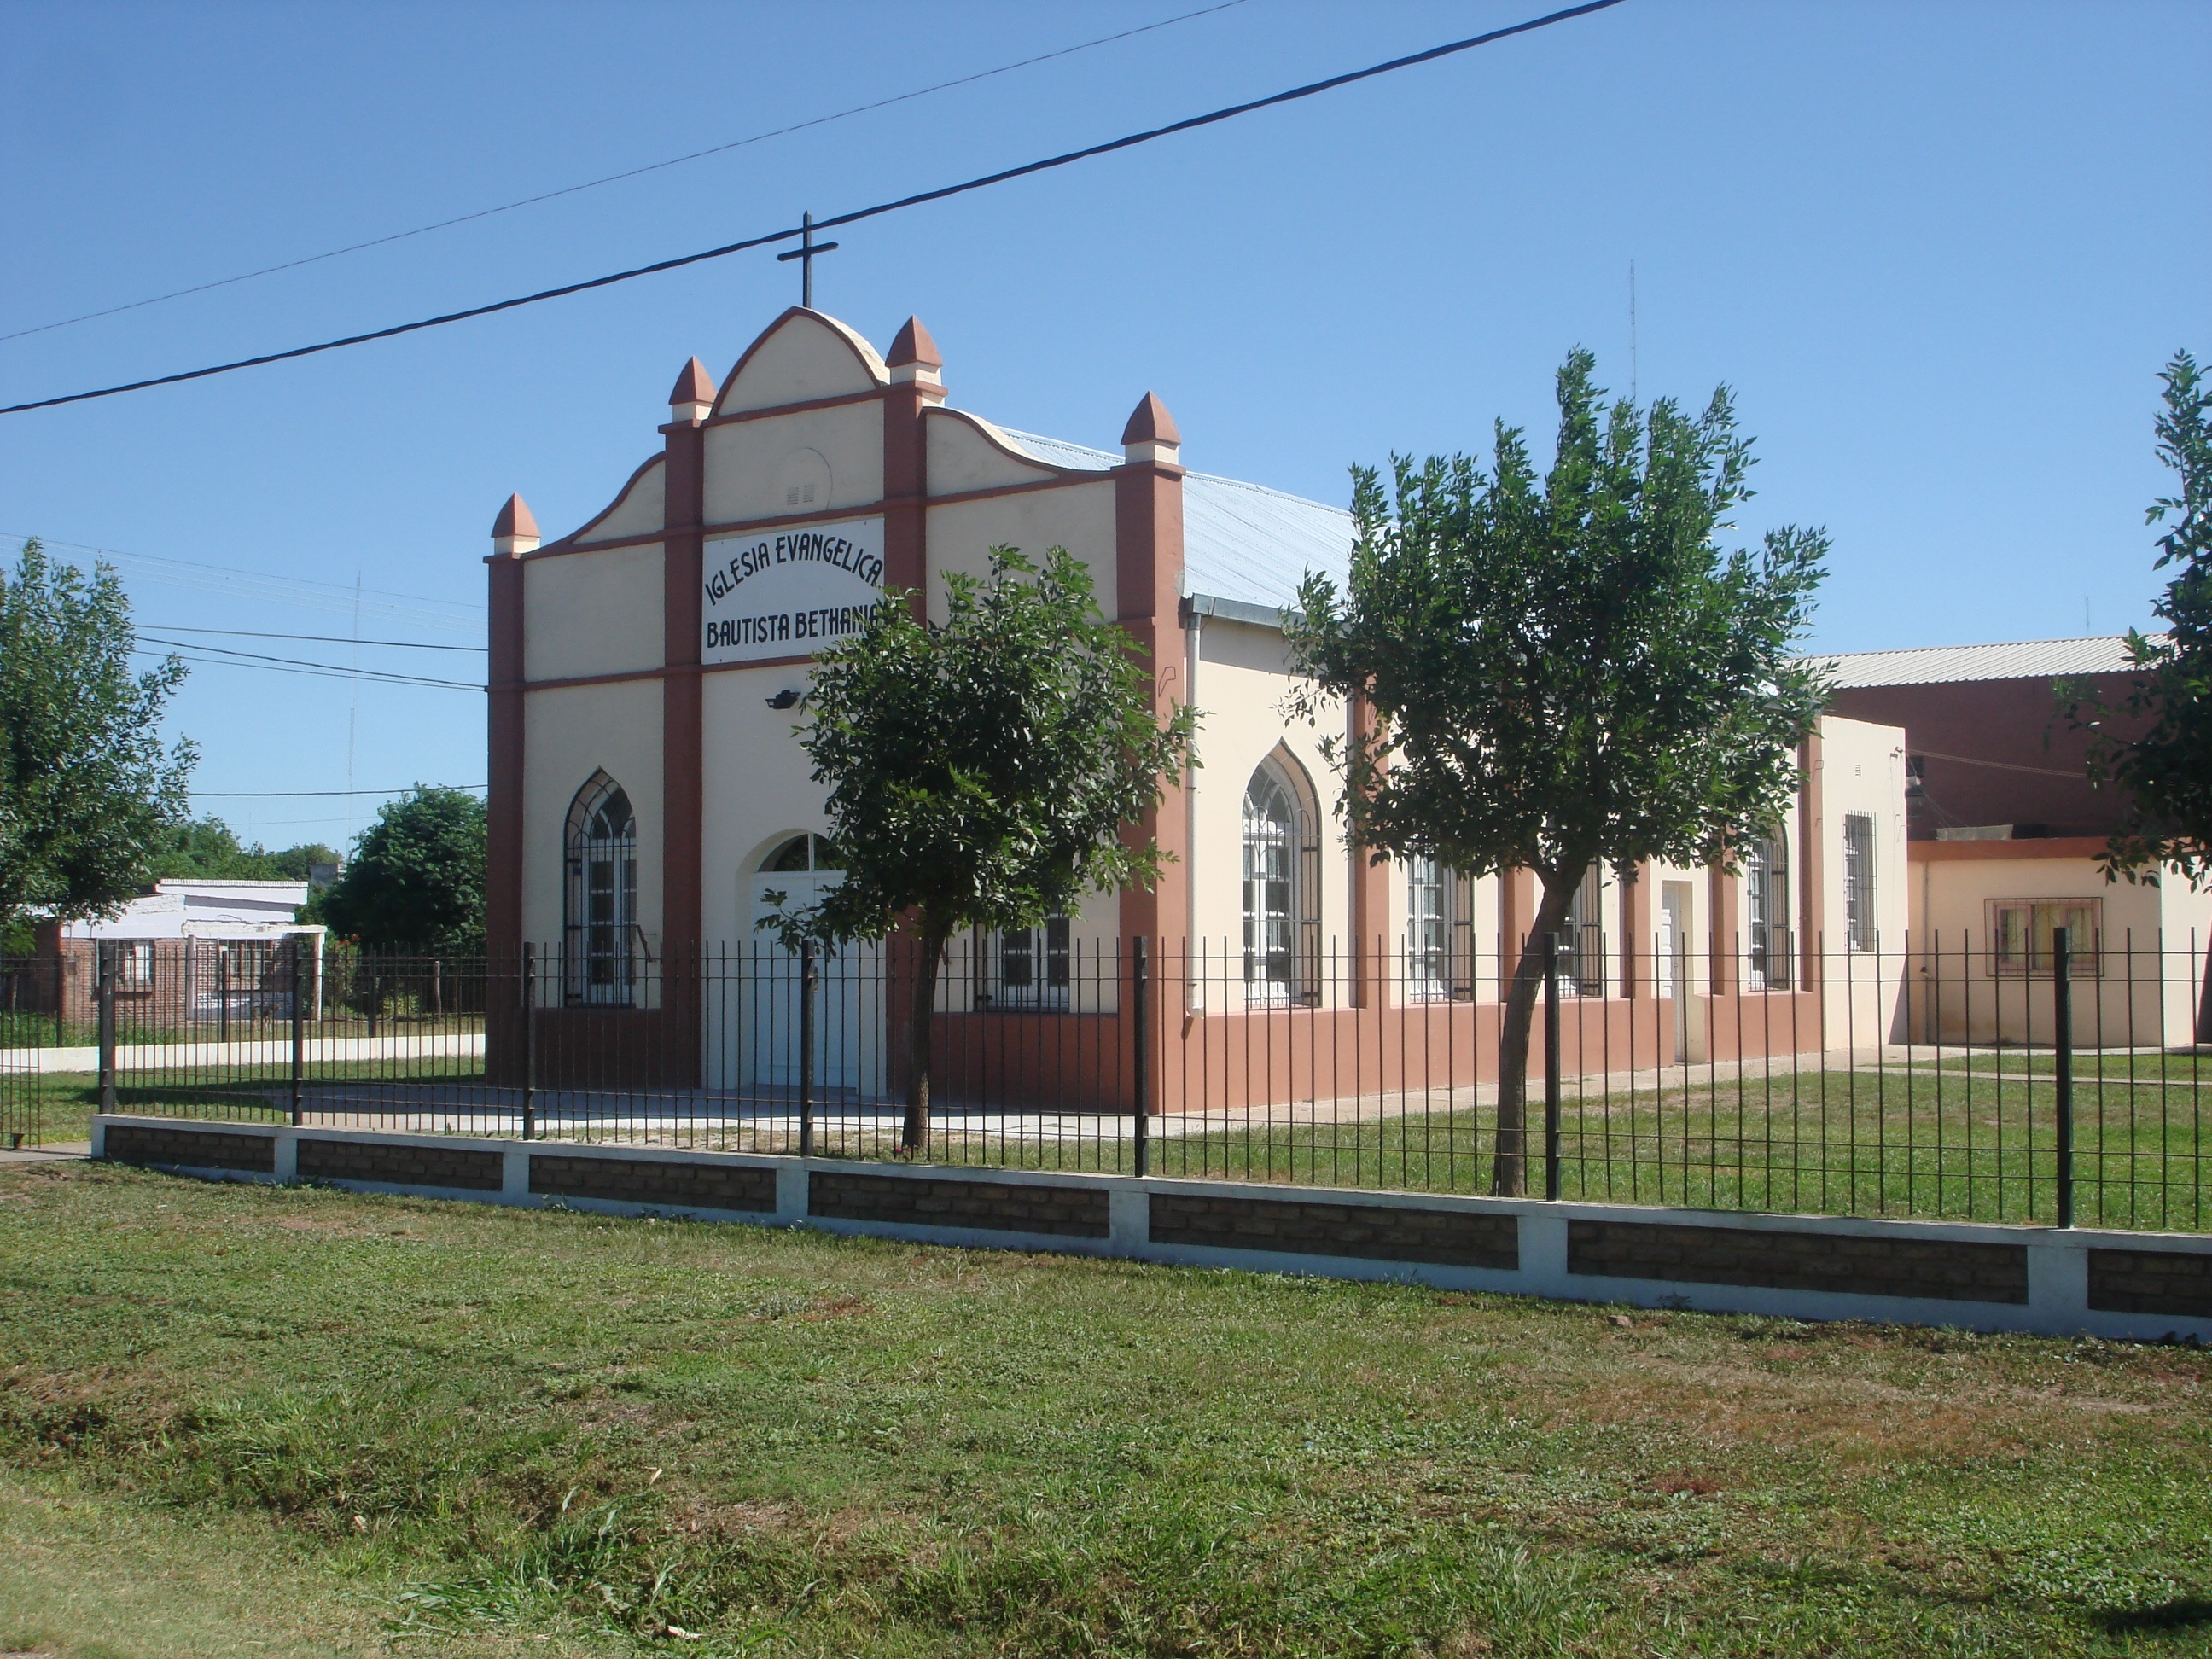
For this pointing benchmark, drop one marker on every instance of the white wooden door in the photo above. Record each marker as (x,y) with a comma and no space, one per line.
(848,1007)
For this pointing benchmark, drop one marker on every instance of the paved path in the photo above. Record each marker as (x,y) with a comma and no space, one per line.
(56,1152)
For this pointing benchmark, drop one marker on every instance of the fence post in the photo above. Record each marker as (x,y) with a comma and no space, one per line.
(375,996)
(104,973)
(1140,1011)
(298,1033)
(529,1042)
(222,992)
(61,995)
(1552,1066)
(808,973)
(2062,1037)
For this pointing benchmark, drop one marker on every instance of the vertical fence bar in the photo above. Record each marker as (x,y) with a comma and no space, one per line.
(808,975)
(2061,1038)
(61,995)
(1552,1066)
(529,1042)
(1140,1027)
(299,1036)
(104,989)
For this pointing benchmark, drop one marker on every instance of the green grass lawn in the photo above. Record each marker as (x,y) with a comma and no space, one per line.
(243,1420)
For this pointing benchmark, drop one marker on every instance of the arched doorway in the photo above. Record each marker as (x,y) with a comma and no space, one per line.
(848,997)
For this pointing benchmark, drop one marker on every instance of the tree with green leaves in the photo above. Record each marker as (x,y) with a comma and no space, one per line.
(417,881)
(1565,672)
(210,848)
(2161,754)
(88,791)
(983,772)
(2163,759)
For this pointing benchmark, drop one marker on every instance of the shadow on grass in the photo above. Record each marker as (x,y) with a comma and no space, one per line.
(2183,1612)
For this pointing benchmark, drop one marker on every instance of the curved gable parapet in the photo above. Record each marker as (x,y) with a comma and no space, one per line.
(966,451)
(640,508)
(803,355)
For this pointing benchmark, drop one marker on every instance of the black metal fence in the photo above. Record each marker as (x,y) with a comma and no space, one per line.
(1995,1079)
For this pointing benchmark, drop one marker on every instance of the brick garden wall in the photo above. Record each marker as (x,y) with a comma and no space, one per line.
(1840,1263)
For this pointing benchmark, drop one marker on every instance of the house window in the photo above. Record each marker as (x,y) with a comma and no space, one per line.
(601,920)
(1766,864)
(134,963)
(1582,937)
(2020,933)
(1429,977)
(1858,880)
(1033,968)
(1281,882)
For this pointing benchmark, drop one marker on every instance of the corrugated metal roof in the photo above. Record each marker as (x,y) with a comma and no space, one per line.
(1240,541)
(2023,659)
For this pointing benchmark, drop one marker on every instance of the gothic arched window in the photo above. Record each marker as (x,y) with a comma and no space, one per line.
(601,902)
(1282,886)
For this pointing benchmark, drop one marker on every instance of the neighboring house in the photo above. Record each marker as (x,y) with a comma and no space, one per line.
(2004,839)
(648,798)
(183,951)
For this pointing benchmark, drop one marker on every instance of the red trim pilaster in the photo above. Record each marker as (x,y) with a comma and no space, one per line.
(1725,894)
(504,729)
(681,754)
(906,487)
(1635,932)
(1148,590)
(1517,900)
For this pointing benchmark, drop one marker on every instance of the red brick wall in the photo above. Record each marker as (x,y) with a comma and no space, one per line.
(1373,1232)
(993,1206)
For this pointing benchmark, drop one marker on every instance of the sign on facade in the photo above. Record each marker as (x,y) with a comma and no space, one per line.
(790,592)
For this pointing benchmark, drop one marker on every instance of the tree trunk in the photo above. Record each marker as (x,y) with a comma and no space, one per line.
(2205,1000)
(1509,1176)
(914,1132)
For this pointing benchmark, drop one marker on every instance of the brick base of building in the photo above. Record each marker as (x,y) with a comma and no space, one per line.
(2145,1285)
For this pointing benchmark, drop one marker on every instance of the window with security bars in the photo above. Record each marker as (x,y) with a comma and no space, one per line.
(2021,936)
(1032,968)
(1766,865)
(602,894)
(1281,876)
(1859,930)
(1582,937)
(1436,927)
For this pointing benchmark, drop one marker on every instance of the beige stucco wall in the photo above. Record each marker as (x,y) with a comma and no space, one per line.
(1862,770)
(1079,517)
(748,462)
(808,356)
(966,451)
(1243,675)
(2143,993)
(639,510)
(568,734)
(593,613)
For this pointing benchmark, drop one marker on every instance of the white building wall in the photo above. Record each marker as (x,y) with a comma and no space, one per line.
(569,734)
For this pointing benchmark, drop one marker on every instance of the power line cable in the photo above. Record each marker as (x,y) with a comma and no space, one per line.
(289,665)
(314,639)
(632,173)
(302,794)
(855,216)
(302,592)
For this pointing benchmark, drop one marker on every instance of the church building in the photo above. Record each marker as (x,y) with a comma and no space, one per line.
(648,794)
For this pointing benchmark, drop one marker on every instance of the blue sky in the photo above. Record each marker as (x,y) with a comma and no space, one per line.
(1940,249)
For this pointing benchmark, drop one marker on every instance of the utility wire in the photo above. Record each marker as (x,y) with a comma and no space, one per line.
(314,639)
(289,665)
(632,173)
(303,592)
(917,199)
(301,794)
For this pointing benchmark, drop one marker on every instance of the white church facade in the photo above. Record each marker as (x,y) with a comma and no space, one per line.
(648,790)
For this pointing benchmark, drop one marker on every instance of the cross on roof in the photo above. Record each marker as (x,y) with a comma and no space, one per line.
(806,252)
